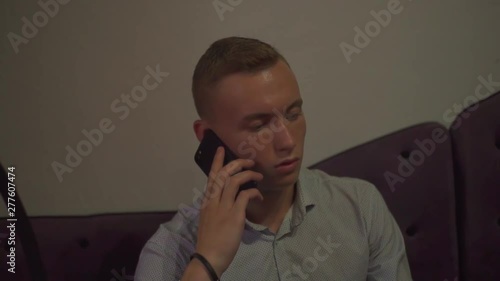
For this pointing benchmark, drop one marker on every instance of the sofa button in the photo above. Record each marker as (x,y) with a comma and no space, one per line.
(405,154)
(411,231)
(84,243)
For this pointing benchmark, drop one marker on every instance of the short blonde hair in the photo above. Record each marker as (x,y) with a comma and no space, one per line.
(228,56)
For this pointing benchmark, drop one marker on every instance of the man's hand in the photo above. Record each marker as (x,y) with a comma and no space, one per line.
(222,215)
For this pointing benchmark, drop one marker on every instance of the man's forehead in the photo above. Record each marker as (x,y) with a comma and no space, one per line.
(267,91)
(256,109)
(239,106)
(272,110)
(267,75)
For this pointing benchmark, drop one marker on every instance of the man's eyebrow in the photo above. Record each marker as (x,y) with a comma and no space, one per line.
(297,103)
(255,116)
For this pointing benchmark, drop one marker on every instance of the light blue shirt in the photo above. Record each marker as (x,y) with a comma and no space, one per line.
(337,229)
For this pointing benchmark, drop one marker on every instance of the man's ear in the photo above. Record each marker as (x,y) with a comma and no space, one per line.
(199,127)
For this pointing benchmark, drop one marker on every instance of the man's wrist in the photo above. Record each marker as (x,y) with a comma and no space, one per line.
(214,276)
(196,271)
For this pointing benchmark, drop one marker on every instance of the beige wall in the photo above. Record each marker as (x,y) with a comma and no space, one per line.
(65,78)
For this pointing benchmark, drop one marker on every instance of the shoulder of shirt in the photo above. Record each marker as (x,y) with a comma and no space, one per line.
(333,193)
(326,185)
(183,226)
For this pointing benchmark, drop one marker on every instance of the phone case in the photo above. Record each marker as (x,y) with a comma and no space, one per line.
(206,152)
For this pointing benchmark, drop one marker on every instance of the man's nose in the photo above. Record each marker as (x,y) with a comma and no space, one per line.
(284,138)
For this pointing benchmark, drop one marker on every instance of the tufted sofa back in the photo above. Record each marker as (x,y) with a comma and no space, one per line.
(87,248)
(476,150)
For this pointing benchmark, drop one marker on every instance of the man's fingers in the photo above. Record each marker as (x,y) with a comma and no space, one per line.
(237,165)
(220,180)
(215,182)
(230,190)
(245,196)
(216,164)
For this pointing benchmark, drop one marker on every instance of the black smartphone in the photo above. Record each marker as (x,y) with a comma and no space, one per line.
(206,152)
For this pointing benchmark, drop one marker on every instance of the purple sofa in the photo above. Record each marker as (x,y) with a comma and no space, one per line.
(102,247)
(476,151)
(442,186)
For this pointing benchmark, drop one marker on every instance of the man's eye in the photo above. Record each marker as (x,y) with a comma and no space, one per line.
(293,116)
(257,127)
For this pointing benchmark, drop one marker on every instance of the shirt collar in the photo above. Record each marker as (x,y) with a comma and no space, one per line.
(303,198)
(303,201)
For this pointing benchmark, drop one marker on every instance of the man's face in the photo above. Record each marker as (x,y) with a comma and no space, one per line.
(259,116)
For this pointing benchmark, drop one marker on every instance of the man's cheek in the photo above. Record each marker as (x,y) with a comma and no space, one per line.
(261,167)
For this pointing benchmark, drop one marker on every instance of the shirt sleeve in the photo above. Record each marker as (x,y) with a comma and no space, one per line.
(388,260)
(164,257)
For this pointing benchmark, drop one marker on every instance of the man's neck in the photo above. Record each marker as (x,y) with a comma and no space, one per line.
(272,210)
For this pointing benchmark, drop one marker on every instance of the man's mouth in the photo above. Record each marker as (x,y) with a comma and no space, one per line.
(287,161)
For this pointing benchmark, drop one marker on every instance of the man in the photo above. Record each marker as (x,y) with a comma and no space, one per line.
(298,223)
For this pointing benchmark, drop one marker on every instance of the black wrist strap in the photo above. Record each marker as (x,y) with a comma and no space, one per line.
(210,269)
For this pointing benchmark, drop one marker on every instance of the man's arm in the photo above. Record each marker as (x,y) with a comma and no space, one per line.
(220,227)
(388,260)
(165,256)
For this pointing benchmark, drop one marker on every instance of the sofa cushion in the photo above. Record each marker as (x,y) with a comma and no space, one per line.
(90,248)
